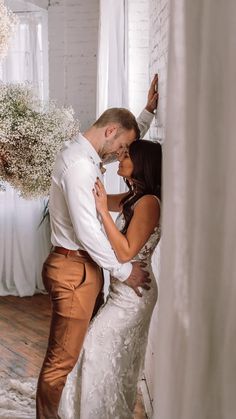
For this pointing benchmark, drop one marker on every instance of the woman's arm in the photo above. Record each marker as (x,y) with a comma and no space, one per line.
(145,219)
(113,201)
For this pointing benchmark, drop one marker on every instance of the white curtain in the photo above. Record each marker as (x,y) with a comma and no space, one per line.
(112,77)
(195,372)
(24,244)
(112,71)
(25,61)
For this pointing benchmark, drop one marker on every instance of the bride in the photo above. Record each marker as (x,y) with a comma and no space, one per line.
(103,384)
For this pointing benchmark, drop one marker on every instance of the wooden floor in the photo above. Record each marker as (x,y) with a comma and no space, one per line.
(24,325)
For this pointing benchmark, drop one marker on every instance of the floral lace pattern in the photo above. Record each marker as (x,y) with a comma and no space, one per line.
(103,383)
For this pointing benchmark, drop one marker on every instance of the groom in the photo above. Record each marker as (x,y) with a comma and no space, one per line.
(72,274)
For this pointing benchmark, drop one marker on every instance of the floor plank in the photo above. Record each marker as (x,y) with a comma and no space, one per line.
(24,327)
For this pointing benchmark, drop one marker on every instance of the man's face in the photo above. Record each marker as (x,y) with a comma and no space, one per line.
(115,146)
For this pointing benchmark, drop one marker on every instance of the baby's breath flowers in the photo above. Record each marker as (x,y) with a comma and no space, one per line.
(8,23)
(31,134)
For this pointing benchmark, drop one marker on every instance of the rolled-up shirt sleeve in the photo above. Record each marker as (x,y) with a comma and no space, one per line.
(77,183)
(144,121)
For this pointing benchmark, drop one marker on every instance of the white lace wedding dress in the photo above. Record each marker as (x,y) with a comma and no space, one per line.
(103,383)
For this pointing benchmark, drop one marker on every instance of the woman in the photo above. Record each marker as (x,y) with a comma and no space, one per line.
(103,384)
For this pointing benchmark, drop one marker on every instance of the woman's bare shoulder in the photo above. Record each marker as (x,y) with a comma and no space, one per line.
(148,201)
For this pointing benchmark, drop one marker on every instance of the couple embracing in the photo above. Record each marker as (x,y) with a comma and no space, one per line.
(92,371)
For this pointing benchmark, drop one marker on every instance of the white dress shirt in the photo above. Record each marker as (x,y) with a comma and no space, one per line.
(144,121)
(75,223)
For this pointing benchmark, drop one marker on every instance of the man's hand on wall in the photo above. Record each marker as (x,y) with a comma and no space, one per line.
(153,95)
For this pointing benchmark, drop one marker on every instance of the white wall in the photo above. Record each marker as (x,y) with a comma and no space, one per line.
(158,55)
(73,42)
(73,34)
(159,18)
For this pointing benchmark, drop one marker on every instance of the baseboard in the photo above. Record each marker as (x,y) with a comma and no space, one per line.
(146,398)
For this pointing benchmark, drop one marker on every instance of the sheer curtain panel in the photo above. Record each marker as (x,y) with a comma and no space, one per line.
(195,371)
(112,71)
(24,244)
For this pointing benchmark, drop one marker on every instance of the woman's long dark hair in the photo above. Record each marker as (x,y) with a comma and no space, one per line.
(146,157)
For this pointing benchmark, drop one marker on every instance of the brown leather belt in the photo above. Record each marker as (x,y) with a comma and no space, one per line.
(68,252)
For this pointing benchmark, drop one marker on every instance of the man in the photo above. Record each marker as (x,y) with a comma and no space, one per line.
(72,273)
(145,118)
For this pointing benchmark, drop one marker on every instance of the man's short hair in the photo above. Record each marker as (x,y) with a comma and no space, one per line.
(121,116)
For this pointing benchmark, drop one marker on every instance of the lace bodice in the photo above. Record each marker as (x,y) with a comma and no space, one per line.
(147,250)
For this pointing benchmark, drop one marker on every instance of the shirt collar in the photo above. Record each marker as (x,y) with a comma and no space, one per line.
(90,149)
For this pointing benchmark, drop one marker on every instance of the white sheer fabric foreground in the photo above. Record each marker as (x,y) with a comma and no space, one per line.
(196,364)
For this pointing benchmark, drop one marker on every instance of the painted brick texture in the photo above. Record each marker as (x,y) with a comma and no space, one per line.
(73,42)
(159,19)
(158,56)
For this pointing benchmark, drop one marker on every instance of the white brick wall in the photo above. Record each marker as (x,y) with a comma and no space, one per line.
(147,54)
(73,42)
(73,38)
(159,18)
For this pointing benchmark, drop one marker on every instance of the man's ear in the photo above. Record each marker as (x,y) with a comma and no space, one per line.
(111,130)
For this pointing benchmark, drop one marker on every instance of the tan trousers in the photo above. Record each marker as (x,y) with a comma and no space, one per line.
(73,283)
